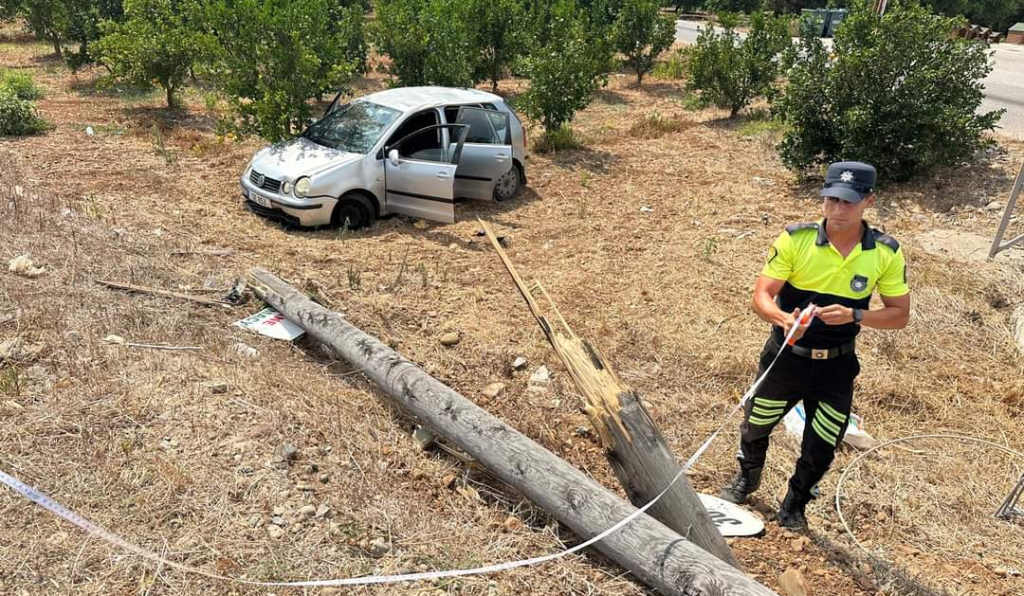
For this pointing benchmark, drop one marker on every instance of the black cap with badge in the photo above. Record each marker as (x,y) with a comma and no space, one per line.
(850,181)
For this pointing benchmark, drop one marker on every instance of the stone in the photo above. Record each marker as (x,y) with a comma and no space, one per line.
(277,520)
(279,510)
(305,487)
(307,511)
(216,387)
(244,350)
(1017,322)
(114,339)
(994,206)
(797,545)
(379,547)
(792,583)
(421,224)
(255,521)
(423,437)
(275,532)
(324,478)
(23,265)
(450,339)
(322,510)
(881,516)
(286,452)
(512,523)
(539,380)
(494,390)
(519,363)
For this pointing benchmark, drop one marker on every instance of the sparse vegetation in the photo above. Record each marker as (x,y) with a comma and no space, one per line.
(563,138)
(655,125)
(673,68)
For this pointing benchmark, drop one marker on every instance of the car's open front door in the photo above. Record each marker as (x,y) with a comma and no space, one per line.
(487,155)
(419,173)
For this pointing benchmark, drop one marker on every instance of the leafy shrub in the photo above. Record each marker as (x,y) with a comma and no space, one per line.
(157,43)
(18,116)
(21,84)
(642,34)
(675,67)
(429,42)
(269,68)
(730,72)
(566,66)
(562,138)
(898,93)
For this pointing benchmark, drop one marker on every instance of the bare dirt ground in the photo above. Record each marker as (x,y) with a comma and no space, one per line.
(177,450)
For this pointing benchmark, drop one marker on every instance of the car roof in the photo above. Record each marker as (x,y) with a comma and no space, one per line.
(414,98)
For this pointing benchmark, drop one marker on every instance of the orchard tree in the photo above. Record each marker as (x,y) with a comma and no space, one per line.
(641,34)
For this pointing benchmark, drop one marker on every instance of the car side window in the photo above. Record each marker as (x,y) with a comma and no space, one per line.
(451,113)
(480,129)
(429,140)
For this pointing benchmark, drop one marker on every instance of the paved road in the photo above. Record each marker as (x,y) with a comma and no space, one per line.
(1004,87)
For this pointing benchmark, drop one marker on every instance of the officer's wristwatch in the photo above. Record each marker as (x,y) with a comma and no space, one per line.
(858,315)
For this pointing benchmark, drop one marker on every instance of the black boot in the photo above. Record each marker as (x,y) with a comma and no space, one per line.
(791,513)
(742,486)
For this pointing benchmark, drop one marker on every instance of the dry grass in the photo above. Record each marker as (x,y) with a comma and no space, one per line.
(136,440)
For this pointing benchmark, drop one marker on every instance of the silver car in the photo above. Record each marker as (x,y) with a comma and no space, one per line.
(410,150)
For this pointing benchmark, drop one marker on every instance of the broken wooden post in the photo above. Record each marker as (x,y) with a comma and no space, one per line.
(638,452)
(647,548)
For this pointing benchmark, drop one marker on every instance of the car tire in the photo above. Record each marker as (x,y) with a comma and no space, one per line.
(354,208)
(508,184)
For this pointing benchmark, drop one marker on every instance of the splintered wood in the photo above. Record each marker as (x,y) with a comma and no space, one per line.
(599,385)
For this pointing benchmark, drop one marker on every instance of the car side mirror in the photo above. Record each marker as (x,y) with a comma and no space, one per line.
(393,157)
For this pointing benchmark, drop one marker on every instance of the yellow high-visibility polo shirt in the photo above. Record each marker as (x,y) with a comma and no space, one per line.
(815,271)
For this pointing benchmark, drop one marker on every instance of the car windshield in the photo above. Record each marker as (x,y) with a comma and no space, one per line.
(354,127)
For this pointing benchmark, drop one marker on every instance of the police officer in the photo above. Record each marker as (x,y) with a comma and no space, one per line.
(835,263)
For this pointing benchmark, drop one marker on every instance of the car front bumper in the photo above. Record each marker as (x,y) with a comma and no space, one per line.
(311,212)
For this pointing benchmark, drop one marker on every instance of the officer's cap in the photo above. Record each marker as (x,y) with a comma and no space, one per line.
(850,181)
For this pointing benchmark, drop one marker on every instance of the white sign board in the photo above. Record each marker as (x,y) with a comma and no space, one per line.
(730,519)
(271,323)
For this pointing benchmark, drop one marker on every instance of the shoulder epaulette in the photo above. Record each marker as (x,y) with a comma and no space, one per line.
(812,225)
(887,240)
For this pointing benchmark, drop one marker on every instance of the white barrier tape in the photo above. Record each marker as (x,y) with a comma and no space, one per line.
(44,501)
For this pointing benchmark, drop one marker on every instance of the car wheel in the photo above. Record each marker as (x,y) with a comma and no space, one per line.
(352,211)
(508,184)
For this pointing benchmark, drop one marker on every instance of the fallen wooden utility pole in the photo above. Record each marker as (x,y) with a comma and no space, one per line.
(636,449)
(647,548)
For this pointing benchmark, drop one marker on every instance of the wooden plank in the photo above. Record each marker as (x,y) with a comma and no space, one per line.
(638,452)
(647,548)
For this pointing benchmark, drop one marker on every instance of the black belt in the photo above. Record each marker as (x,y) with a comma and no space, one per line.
(821,353)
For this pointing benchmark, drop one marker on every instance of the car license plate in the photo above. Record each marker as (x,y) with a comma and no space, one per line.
(262,201)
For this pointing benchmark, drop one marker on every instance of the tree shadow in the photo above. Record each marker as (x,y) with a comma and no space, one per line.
(595,161)
(171,118)
(985,178)
(609,97)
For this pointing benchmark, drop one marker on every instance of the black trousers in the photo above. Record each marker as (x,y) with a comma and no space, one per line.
(826,386)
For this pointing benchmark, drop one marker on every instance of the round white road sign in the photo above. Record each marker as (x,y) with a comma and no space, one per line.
(731,520)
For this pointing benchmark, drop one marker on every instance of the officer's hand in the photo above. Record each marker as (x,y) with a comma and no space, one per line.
(791,320)
(836,314)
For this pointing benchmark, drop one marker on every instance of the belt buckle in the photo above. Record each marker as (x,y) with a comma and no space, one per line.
(819,354)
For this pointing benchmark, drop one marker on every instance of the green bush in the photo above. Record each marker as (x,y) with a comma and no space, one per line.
(21,84)
(730,72)
(158,43)
(562,138)
(429,42)
(566,66)
(675,67)
(271,58)
(641,34)
(898,93)
(999,14)
(18,116)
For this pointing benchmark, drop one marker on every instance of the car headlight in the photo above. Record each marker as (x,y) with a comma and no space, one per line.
(286,187)
(302,186)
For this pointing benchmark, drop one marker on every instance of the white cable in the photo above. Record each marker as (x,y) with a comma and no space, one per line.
(46,502)
(851,465)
